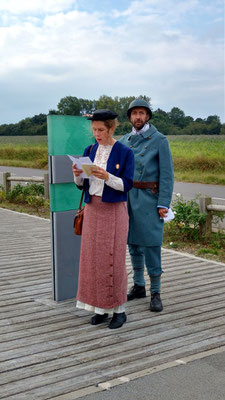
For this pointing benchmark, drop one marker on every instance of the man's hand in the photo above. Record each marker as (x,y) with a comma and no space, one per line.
(162,212)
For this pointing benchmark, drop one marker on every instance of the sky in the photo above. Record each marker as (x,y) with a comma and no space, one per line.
(171,51)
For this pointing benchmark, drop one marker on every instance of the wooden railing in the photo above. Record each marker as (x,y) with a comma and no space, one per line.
(8,178)
(205,203)
(206,206)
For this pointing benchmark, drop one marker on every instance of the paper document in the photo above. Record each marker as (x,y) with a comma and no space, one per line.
(87,168)
(169,216)
(83,163)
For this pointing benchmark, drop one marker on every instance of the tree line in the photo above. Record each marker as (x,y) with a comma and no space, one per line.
(174,122)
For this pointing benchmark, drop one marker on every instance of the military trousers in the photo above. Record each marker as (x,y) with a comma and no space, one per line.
(149,256)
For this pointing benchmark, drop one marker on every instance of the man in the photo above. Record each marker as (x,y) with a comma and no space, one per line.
(148,200)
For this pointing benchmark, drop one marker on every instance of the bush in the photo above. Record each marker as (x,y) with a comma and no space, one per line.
(30,197)
(188,219)
(21,194)
(2,194)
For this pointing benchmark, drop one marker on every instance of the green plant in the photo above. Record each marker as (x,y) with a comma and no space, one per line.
(2,194)
(36,202)
(16,194)
(188,219)
(207,251)
(33,189)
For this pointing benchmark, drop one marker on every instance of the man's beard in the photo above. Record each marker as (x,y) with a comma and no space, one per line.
(139,127)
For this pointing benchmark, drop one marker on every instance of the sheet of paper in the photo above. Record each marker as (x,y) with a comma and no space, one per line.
(87,168)
(169,216)
(82,162)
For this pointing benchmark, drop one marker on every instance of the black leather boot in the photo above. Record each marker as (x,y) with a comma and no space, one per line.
(156,302)
(136,292)
(98,319)
(117,320)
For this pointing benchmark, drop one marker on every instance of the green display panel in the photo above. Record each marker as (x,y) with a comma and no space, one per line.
(68,135)
(64,197)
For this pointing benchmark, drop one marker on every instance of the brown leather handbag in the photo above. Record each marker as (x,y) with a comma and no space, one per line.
(78,219)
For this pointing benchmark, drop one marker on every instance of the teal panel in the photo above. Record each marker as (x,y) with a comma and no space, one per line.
(68,134)
(64,197)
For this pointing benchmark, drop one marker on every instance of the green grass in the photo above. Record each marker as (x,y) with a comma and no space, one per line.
(196,158)
(24,151)
(199,158)
(24,140)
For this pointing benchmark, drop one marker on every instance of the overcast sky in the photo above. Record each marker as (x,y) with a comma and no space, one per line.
(170,50)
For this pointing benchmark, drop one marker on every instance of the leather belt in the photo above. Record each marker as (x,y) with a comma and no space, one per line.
(153,186)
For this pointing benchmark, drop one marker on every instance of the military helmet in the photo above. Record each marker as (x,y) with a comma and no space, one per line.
(139,103)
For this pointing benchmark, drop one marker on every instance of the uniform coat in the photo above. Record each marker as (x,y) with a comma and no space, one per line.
(153,162)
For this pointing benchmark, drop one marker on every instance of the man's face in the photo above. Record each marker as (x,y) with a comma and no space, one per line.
(139,117)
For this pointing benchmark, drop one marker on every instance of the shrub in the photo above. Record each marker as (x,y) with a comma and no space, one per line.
(21,194)
(188,219)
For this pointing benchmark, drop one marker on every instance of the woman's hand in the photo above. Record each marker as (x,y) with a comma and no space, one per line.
(100,173)
(76,171)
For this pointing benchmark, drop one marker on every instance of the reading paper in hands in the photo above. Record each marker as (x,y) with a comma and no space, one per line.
(83,163)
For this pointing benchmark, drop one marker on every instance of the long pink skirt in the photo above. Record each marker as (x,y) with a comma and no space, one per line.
(102,269)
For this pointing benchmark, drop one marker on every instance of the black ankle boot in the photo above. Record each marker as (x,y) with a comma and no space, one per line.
(98,319)
(117,320)
(136,292)
(156,302)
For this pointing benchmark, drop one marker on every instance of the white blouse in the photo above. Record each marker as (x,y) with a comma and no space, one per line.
(96,185)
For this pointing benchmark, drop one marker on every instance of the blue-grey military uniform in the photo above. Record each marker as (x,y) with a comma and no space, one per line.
(153,163)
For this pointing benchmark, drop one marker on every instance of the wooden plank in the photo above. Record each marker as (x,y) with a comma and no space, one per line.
(48,349)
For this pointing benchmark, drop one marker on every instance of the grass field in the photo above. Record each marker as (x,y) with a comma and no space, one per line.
(199,158)
(196,158)
(24,151)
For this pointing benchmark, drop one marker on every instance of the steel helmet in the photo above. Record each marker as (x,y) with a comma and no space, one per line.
(139,103)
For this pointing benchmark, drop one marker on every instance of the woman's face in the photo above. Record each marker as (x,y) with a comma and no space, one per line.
(102,134)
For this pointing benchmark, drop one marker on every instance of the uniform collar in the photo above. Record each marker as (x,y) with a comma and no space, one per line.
(149,132)
(142,130)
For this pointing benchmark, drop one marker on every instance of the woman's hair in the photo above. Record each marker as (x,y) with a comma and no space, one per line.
(110,123)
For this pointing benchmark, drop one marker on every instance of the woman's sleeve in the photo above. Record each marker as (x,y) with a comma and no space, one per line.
(115,182)
(128,171)
(78,180)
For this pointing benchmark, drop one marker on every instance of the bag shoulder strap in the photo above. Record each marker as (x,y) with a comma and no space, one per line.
(82,194)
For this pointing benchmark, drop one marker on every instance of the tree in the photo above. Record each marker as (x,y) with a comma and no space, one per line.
(105,102)
(213,118)
(87,106)
(53,112)
(69,105)
(177,117)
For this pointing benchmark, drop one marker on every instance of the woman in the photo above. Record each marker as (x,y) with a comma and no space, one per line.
(102,286)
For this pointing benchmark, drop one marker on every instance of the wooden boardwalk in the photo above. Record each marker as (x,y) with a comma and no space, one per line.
(49,350)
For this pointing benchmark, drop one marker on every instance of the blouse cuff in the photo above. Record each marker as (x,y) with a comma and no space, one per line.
(115,182)
(78,180)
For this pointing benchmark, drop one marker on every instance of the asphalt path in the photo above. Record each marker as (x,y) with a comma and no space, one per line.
(188,190)
(201,379)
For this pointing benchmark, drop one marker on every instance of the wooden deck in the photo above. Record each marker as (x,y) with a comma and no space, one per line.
(50,351)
